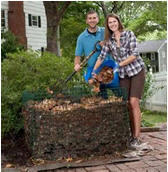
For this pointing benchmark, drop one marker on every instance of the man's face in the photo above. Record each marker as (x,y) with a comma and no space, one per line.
(92,20)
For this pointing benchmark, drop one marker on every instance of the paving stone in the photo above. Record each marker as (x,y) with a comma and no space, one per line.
(149,158)
(70,170)
(122,166)
(150,169)
(98,170)
(102,167)
(165,161)
(161,168)
(160,157)
(80,170)
(139,164)
(128,170)
(155,163)
(113,168)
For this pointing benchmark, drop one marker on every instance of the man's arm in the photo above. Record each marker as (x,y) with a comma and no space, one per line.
(77,66)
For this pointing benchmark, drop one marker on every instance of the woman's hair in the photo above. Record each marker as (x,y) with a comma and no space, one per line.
(108,32)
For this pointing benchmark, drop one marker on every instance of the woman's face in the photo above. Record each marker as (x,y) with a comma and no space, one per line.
(113,24)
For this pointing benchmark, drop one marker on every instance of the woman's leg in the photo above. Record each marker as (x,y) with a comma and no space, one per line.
(135,116)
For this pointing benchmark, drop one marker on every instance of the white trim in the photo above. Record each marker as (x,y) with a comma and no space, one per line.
(162,45)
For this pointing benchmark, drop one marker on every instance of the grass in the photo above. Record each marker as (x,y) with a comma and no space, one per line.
(152,118)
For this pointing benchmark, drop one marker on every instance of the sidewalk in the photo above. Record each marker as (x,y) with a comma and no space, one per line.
(154,161)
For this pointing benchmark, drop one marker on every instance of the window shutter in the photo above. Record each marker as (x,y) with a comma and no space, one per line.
(30,20)
(39,21)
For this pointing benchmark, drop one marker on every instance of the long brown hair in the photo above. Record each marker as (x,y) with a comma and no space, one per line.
(108,32)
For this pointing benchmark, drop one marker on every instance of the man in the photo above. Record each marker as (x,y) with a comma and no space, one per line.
(86,42)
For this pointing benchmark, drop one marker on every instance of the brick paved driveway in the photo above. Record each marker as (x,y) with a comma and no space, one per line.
(155,161)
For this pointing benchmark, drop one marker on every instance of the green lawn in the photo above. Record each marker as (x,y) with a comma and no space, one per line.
(152,118)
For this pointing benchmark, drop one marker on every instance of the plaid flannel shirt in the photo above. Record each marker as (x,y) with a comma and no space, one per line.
(128,47)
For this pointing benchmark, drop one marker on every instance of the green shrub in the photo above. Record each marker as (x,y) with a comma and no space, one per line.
(9,44)
(28,72)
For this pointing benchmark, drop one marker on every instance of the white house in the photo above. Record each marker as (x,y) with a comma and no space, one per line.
(27,20)
(156,52)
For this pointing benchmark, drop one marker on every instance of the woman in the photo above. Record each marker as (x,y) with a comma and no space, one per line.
(123,47)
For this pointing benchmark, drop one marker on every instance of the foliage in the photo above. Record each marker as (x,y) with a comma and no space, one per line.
(9,44)
(156,35)
(151,19)
(144,18)
(27,71)
(152,118)
(72,25)
(148,91)
(149,88)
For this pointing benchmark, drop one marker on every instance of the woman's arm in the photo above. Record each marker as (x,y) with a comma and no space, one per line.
(98,63)
(102,56)
(127,61)
(132,48)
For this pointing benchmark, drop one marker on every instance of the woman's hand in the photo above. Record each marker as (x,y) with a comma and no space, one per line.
(94,74)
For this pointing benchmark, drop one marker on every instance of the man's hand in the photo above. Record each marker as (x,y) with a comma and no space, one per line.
(101,43)
(77,67)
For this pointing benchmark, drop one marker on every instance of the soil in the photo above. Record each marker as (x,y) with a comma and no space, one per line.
(14,152)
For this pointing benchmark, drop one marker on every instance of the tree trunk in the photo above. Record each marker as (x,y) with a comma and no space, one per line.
(52,40)
(58,42)
(54,12)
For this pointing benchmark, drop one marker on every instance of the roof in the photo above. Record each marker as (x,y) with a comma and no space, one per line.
(150,46)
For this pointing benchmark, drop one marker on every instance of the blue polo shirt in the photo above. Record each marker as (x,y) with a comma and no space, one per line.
(85,44)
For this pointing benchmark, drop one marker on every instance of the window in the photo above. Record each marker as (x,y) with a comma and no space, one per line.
(153,56)
(34,20)
(152,61)
(3,21)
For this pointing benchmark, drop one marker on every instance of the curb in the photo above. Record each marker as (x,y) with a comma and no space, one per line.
(152,129)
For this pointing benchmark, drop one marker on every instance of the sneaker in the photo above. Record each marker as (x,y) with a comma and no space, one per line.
(135,143)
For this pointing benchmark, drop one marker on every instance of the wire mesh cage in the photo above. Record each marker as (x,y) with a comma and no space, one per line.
(77,123)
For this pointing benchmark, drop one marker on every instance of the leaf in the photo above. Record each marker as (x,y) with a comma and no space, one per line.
(79,161)
(9,166)
(69,159)
(37,161)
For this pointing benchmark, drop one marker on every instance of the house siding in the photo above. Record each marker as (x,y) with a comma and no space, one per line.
(163,58)
(36,36)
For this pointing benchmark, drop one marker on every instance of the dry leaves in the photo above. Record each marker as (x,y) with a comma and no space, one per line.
(69,159)
(10,166)
(37,161)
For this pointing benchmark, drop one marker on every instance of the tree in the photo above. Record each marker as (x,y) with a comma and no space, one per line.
(54,12)
(110,7)
(72,24)
(151,20)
